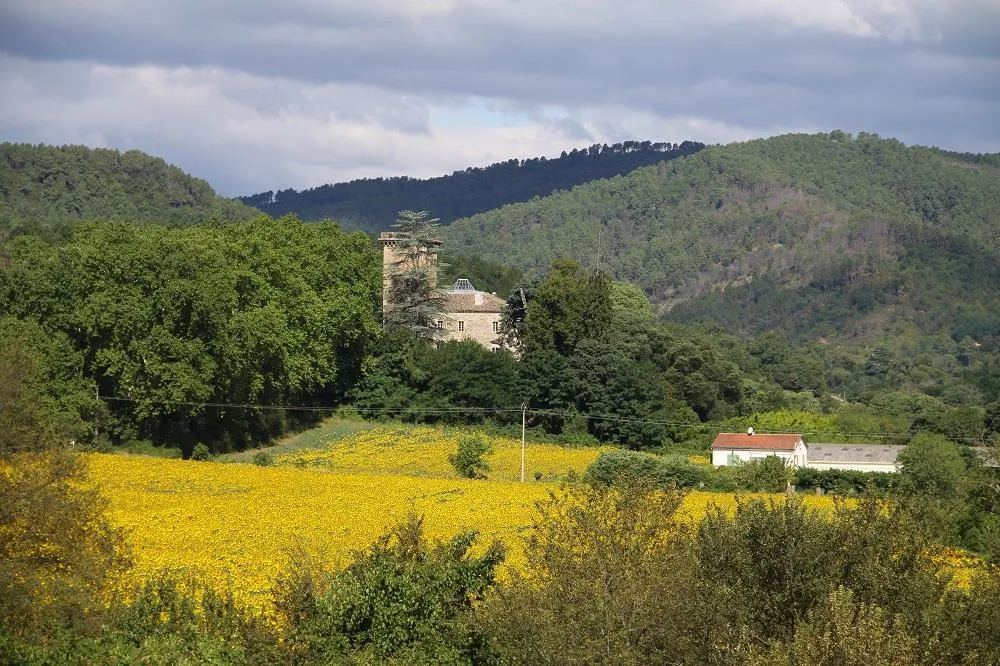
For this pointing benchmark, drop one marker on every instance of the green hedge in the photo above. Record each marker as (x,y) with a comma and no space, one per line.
(843,480)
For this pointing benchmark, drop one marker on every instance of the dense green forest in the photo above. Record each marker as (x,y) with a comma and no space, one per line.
(372,204)
(818,236)
(45,189)
(138,325)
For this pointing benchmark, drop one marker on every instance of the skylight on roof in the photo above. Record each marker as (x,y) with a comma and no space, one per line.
(462,284)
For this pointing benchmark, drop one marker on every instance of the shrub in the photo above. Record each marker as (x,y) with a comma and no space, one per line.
(263,459)
(404,598)
(180,620)
(767,475)
(724,480)
(468,459)
(844,480)
(931,465)
(593,591)
(200,452)
(630,467)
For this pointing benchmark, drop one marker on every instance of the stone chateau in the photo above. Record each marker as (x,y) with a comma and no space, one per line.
(466,312)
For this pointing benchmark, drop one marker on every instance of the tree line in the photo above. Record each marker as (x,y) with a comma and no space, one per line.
(371,204)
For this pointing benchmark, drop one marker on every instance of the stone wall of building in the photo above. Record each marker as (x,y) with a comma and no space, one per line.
(483,327)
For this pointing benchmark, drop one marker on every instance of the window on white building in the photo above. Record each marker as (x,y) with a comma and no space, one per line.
(461,325)
(496,327)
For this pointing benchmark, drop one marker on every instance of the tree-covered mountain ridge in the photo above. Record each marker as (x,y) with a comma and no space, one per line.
(372,204)
(816,235)
(45,189)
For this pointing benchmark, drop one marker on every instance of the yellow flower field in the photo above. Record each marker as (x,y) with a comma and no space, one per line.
(235,524)
(424,451)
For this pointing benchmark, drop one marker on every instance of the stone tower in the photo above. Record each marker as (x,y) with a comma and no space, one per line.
(395,259)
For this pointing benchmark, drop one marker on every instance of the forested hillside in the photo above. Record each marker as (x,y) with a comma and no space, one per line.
(44,189)
(371,204)
(815,235)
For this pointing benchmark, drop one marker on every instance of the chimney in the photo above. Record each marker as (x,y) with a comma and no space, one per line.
(479,298)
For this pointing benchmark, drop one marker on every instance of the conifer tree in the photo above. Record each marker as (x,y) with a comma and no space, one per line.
(414,302)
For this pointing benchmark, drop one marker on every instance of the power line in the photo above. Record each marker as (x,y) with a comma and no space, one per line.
(907,434)
(315,408)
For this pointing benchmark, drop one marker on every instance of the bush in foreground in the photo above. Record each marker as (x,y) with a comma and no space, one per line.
(404,598)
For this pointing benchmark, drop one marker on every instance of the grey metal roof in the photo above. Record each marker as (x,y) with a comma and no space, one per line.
(462,284)
(853,453)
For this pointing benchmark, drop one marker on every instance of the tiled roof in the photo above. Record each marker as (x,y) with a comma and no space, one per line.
(853,453)
(741,440)
(471,301)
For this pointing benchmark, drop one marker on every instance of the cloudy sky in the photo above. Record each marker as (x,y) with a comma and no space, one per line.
(265,94)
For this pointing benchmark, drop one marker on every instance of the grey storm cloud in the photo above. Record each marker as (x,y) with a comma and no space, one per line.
(373,72)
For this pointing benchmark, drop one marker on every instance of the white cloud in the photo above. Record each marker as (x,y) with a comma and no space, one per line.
(248,133)
(260,94)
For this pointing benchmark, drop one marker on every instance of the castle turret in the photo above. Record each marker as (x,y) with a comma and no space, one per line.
(398,256)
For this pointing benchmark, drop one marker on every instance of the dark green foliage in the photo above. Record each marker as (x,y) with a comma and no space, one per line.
(266,312)
(453,382)
(567,307)
(468,459)
(932,465)
(844,480)
(625,397)
(45,189)
(696,372)
(403,598)
(66,398)
(200,452)
(372,203)
(620,468)
(791,369)
(486,275)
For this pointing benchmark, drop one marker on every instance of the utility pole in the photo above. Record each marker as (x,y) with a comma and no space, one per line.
(524,419)
(97,394)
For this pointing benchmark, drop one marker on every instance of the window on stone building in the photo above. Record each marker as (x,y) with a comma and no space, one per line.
(461,325)
(496,327)
(439,324)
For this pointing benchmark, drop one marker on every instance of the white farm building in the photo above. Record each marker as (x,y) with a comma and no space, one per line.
(733,448)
